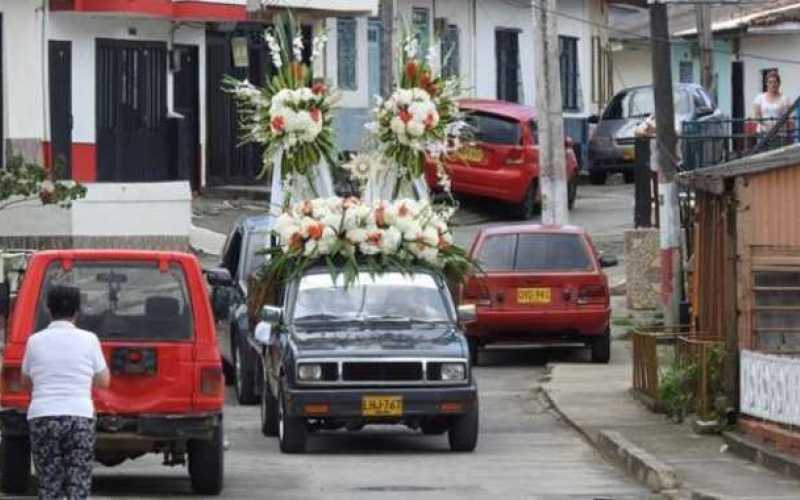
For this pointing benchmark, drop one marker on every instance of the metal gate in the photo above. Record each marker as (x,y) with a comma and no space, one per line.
(131,111)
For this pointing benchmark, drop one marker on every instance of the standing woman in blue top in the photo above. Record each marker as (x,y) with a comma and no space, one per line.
(61,365)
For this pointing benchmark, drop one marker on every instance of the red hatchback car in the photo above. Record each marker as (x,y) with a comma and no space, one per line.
(539,285)
(502,162)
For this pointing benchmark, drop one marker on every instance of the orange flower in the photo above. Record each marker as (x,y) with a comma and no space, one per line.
(307,208)
(315,231)
(278,124)
(411,70)
(296,242)
(403,210)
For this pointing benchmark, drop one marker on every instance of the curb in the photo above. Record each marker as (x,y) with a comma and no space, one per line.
(762,454)
(636,462)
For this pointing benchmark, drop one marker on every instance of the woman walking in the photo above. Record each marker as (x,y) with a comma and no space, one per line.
(61,365)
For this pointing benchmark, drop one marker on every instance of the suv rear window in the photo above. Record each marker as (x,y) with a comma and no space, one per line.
(124,300)
(494,129)
(534,252)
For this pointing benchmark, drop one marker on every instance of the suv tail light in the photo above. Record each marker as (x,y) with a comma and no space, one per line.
(11,380)
(476,293)
(212,382)
(515,158)
(592,294)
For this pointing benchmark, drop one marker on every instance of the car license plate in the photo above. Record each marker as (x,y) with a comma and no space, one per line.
(382,406)
(628,153)
(471,154)
(533,295)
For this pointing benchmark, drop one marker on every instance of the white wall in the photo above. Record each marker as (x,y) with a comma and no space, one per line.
(632,67)
(774,46)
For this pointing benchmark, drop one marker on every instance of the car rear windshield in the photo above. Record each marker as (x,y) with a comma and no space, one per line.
(124,300)
(640,103)
(540,252)
(493,129)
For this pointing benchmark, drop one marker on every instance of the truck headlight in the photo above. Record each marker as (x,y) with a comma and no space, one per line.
(309,371)
(454,371)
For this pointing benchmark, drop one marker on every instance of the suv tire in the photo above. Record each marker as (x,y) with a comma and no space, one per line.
(244,373)
(292,432)
(269,411)
(15,453)
(601,348)
(572,192)
(598,177)
(463,433)
(474,350)
(206,463)
(527,207)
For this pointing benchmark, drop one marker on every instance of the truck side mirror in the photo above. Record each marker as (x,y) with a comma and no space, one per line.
(271,314)
(5,299)
(218,276)
(467,313)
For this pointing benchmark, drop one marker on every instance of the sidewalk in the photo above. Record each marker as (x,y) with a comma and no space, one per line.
(669,458)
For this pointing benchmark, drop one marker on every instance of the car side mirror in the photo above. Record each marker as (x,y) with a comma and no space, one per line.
(593,119)
(218,276)
(608,261)
(703,111)
(467,313)
(5,299)
(271,314)
(263,333)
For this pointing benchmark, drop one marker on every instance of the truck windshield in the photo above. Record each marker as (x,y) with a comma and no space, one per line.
(124,300)
(389,296)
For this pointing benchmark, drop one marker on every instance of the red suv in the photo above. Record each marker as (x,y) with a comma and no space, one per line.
(539,285)
(151,312)
(502,162)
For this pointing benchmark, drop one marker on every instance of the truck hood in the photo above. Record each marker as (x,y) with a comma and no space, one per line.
(426,342)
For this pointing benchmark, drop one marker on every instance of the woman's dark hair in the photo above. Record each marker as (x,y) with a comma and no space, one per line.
(63,302)
(774,74)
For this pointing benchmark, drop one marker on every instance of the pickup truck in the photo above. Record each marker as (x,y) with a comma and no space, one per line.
(152,315)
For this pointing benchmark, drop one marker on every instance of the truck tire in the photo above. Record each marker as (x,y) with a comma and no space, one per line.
(292,432)
(598,178)
(206,463)
(245,373)
(269,411)
(15,453)
(601,348)
(463,434)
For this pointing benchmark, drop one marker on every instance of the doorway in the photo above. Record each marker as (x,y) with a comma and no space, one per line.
(507,64)
(60,82)
(131,111)
(186,87)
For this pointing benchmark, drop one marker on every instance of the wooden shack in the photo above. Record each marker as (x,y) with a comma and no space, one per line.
(746,281)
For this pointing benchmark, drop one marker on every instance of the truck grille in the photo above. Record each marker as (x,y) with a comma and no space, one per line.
(401,371)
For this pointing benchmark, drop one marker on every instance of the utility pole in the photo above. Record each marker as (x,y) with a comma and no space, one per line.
(704,38)
(669,213)
(553,176)
(386,14)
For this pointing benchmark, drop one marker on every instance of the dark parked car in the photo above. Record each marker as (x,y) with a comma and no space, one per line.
(611,148)
(387,349)
(241,257)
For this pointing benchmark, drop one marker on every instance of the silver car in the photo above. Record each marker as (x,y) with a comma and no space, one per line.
(611,148)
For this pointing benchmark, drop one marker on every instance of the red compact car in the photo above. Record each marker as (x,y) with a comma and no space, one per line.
(538,285)
(502,160)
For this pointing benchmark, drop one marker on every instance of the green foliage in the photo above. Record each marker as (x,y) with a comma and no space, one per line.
(676,389)
(21,180)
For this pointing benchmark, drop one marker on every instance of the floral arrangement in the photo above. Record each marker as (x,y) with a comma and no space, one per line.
(420,121)
(345,233)
(291,115)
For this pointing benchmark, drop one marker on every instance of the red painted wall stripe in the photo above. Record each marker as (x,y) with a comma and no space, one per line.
(159,8)
(84,160)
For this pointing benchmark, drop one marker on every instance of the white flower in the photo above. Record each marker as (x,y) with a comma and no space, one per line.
(297,48)
(415,128)
(397,126)
(327,242)
(357,235)
(390,241)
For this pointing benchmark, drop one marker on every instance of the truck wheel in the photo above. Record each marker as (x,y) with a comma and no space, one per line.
(601,348)
(245,376)
(269,411)
(572,192)
(463,434)
(206,459)
(15,453)
(598,178)
(292,432)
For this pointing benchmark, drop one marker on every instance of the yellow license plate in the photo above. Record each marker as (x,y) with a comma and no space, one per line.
(628,154)
(533,296)
(471,154)
(382,406)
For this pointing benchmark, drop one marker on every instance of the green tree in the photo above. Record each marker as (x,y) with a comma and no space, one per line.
(22,181)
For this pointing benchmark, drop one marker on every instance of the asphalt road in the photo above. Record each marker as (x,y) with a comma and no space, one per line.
(524,451)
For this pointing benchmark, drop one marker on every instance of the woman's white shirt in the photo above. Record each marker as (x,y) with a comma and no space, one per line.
(62,361)
(771,109)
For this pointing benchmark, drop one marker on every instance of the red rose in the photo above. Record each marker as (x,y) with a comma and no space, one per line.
(278,123)
(375,238)
(411,70)
(315,113)
(404,116)
(319,88)
(429,121)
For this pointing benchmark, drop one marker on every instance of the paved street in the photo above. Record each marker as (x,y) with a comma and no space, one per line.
(523,451)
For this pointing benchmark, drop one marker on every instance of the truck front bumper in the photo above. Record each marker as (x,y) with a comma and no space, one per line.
(347,402)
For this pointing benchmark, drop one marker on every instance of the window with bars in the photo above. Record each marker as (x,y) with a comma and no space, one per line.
(686,71)
(346,53)
(450,52)
(568,47)
(421,22)
(776,307)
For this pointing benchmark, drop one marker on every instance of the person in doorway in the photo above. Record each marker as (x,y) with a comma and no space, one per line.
(61,366)
(770,106)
